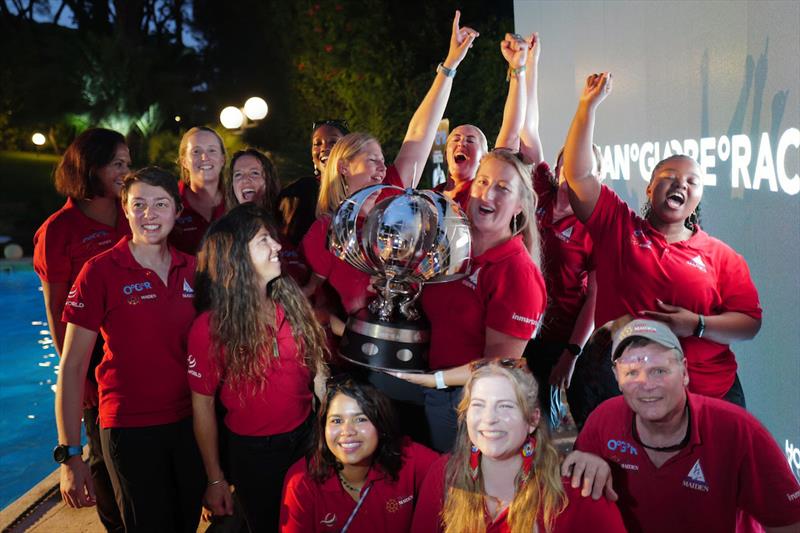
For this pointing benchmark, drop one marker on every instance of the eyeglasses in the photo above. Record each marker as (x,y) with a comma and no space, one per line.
(338,123)
(505,362)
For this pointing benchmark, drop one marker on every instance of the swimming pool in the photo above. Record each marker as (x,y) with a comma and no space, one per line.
(28,368)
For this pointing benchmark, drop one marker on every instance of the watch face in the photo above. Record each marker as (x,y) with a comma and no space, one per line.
(60,454)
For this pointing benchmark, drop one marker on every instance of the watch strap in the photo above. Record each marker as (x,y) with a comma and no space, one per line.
(574,349)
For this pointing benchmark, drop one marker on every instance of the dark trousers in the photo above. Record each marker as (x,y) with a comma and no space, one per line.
(542,357)
(107,508)
(257,468)
(440,412)
(157,475)
(735,394)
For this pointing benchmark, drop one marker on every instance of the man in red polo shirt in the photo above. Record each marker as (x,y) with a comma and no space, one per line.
(681,461)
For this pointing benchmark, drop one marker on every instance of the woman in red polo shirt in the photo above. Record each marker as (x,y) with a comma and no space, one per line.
(663,265)
(139,296)
(201,158)
(495,310)
(356,161)
(257,343)
(90,176)
(362,475)
(504,473)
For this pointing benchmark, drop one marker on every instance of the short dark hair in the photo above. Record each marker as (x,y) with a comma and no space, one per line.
(155,176)
(378,408)
(76,173)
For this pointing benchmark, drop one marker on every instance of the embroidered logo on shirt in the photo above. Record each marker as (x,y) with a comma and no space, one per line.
(393,505)
(192,362)
(621,446)
(329,520)
(136,287)
(94,235)
(566,234)
(72,294)
(638,238)
(695,479)
(697,262)
(472,280)
(188,291)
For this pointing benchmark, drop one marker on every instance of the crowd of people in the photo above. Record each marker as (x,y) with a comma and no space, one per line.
(197,320)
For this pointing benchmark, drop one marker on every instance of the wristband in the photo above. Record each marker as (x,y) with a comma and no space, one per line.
(701,327)
(439,377)
(448,72)
(515,72)
(574,349)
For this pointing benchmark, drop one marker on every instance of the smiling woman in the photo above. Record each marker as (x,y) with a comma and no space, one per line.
(361,475)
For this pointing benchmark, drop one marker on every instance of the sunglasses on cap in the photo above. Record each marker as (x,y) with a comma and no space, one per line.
(338,123)
(505,362)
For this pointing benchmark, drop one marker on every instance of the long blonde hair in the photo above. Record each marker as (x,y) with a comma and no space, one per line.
(333,185)
(526,220)
(541,496)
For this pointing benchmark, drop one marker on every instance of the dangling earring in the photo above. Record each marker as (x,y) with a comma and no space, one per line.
(474,462)
(527,452)
(514,225)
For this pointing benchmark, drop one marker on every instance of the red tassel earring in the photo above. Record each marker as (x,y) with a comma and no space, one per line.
(527,452)
(474,462)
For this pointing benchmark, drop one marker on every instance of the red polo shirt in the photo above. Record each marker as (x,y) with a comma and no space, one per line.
(350,283)
(461,198)
(731,463)
(581,514)
(566,260)
(191,226)
(636,266)
(142,377)
(504,291)
(309,506)
(68,239)
(251,412)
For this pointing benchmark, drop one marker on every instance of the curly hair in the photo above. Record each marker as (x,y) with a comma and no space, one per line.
(541,496)
(378,408)
(272,184)
(76,173)
(241,323)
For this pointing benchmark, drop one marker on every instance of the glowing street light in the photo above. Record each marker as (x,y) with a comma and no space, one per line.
(231,117)
(235,118)
(38,139)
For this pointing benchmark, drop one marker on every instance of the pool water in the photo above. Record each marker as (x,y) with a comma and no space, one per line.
(28,374)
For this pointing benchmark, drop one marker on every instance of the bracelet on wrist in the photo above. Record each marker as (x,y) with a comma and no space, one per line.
(439,377)
(701,327)
(448,72)
(515,72)
(215,482)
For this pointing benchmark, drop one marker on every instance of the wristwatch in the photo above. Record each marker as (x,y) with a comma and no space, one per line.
(63,452)
(574,349)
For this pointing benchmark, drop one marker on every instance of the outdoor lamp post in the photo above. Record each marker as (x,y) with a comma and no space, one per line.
(38,139)
(235,118)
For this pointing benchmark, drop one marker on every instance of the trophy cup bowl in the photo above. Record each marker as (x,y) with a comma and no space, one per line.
(406,240)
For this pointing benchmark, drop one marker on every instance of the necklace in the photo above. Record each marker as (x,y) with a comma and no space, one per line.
(501,505)
(347,485)
(675,447)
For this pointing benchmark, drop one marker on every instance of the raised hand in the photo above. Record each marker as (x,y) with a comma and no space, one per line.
(460,42)
(597,87)
(535,48)
(514,49)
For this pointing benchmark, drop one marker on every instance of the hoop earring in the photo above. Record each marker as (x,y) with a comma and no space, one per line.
(474,462)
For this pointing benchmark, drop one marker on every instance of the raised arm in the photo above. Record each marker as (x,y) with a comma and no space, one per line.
(422,129)
(584,186)
(530,143)
(515,52)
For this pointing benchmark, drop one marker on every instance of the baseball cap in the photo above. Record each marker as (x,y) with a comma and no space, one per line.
(648,329)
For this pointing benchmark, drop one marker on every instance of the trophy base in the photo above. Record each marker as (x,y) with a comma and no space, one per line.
(395,346)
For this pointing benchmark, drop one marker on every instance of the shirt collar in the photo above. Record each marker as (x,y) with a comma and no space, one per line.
(511,247)
(121,253)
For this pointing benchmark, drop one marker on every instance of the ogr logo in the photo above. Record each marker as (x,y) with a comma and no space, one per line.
(137,287)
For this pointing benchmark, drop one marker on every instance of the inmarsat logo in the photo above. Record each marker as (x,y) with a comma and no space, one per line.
(695,479)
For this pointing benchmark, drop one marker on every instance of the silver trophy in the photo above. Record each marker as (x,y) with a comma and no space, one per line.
(406,240)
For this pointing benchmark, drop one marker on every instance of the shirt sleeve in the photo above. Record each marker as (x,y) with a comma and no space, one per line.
(586,514)
(607,221)
(516,299)
(297,503)
(431,500)
(736,286)
(767,488)
(86,301)
(50,258)
(422,458)
(202,372)
(315,249)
